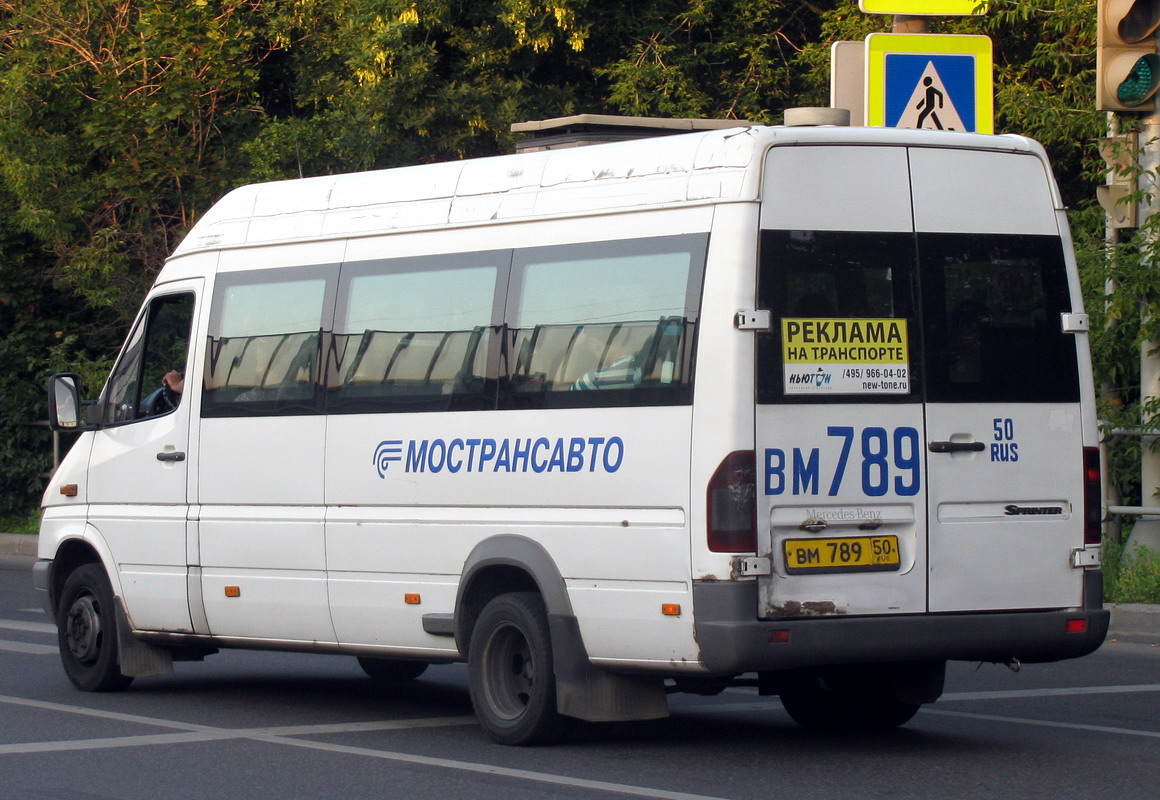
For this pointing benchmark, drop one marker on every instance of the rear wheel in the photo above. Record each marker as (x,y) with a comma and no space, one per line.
(86,624)
(513,683)
(844,701)
(391,670)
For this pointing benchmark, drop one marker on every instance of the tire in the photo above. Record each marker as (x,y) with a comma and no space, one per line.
(513,683)
(391,670)
(86,624)
(842,702)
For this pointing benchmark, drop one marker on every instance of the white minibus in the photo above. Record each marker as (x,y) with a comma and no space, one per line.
(808,409)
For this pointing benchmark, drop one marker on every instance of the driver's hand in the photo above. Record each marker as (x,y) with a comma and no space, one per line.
(174,381)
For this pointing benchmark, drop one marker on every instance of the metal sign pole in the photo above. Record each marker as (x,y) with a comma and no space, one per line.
(907,23)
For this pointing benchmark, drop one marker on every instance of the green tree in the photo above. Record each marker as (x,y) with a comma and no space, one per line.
(730,59)
(119,122)
(26,326)
(365,84)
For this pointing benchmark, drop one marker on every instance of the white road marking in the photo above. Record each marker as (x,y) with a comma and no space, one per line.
(282,736)
(113,715)
(361,727)
(32,627)
(758,706)
(491,769)
(27,647)
(1044,723)
(1015,694)
(110,743)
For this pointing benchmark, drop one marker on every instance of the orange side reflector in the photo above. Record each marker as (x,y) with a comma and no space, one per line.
(233,591)
(671,609)
(1076,626)
(69,489)
(411,599)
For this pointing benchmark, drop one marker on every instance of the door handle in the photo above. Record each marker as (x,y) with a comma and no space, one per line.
(171,455)
(956,447)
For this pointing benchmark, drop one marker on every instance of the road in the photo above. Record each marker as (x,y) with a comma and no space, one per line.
(251,726)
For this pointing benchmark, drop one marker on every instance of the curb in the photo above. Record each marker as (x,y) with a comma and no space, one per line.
(1134,619)
(17,544)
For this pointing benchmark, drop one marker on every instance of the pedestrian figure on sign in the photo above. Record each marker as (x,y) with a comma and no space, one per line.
(928,104)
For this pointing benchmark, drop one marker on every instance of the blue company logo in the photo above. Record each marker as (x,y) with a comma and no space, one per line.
(485,455)
(387,452)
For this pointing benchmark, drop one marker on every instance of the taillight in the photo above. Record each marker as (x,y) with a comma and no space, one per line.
(1092,496)
(732,504)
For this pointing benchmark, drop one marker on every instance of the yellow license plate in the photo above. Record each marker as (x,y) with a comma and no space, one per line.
(846,554)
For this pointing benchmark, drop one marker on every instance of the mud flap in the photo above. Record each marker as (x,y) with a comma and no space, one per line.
(594,695)
(136,658)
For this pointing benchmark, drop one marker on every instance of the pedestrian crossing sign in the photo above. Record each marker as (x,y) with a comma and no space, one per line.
(929,81)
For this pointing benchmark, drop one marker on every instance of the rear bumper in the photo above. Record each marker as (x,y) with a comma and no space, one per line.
(733,641)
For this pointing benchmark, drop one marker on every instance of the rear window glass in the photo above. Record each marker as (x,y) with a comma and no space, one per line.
(846,327)
(991,319)
(843,310)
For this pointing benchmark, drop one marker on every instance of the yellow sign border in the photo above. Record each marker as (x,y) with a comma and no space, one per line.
(950,8)
(879,45)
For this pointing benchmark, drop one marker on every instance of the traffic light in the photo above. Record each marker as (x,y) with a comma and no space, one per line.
(1127,65)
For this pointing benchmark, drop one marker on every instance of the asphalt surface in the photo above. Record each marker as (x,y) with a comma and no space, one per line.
(1130,621)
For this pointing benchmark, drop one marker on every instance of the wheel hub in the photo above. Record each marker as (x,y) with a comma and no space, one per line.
(83,629)
(514,672)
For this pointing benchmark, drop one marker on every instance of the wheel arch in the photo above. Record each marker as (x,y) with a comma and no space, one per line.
(501,564)
(514,563)
(85,547)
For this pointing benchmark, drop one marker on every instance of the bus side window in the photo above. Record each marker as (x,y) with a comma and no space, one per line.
(606,323)
(416,334)
(263,356)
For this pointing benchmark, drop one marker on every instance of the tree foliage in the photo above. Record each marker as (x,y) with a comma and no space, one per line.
(730,59)
(359,84)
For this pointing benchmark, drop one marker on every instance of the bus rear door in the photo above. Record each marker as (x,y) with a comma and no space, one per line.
(918,424)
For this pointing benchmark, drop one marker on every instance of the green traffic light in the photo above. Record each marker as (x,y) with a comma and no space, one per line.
(1141,82)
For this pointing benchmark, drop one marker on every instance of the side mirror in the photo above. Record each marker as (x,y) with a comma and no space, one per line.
(64,402)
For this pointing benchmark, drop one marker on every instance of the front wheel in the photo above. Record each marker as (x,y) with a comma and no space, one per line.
(86,624)
(513,683)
